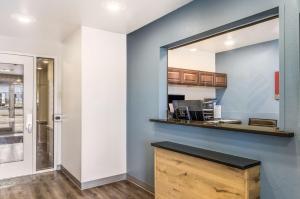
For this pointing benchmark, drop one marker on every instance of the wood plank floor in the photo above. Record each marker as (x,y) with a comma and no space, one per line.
(55,185)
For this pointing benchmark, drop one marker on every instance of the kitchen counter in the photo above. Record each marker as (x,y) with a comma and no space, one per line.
(221,158)
(271,131)
(183,171)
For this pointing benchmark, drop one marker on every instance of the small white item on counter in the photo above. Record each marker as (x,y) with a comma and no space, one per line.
(171,107)
(217,111)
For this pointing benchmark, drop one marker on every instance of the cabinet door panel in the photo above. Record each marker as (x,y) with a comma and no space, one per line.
(220,80)
(190,77)
(206,79)
(174,76)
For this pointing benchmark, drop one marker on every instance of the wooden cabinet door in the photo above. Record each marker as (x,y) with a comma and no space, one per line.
(206,78)
(220,80)
(174,76)
(190,77)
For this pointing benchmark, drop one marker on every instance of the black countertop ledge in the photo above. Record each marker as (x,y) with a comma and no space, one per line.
(213,156)
(259,130)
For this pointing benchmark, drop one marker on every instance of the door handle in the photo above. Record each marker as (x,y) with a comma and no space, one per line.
(29,123)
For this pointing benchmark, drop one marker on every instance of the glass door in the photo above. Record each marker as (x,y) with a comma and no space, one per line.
(44,113)
(16,106)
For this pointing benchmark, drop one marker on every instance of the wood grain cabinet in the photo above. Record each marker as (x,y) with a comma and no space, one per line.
(220,80)
(206,78)
(189,77)
(180,176)
(196,78)
(174,76)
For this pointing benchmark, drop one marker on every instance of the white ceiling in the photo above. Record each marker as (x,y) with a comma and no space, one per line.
(262,32)
(55,19)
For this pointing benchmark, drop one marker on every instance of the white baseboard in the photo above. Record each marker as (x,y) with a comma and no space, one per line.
(93,183)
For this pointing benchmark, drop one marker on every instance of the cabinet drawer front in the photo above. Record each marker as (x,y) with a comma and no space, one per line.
(190,77)
(206,79)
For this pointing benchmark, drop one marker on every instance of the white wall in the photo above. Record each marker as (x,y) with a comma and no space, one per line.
(198,60)
(71,105)
(192,92)
(94,104)
(34,47)
(103,104)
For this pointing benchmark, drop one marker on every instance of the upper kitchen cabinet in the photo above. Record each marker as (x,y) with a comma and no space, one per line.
(206,78)
(174,76)
(220,80)
(196,78)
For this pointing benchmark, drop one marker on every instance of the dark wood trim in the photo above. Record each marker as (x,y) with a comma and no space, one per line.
(242,23)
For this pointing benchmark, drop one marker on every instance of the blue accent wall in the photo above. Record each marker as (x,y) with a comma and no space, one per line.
(147,87)
(250,83)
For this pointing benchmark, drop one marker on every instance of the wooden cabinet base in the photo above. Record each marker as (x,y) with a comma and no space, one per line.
(179,176)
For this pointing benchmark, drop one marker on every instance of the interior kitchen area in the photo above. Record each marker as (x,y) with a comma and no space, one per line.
(231,79)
